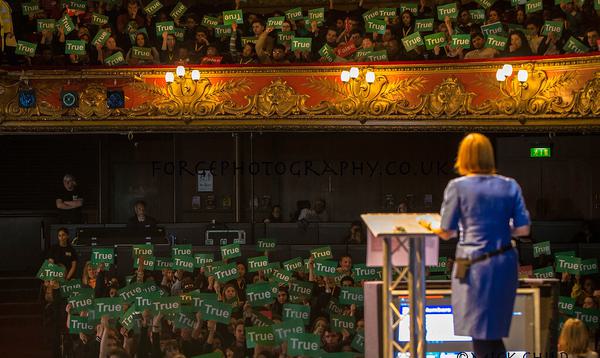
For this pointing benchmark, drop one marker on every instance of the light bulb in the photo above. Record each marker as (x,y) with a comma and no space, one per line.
(522,76)
(180,71)
(195,75)
(508,70)
(370,77)
(169,77)
(354,72)
(500,77)
(345,76)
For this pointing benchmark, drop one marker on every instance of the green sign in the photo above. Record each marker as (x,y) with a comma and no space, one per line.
(485,3)
(210,21)
(433,40)
(376,26)
(67,287)
(589,267)
(341,322)
(166,26)
(371,14)
(284,329)
(325,267)
(569,253)
(492,29)
(49,271)
(413,7)
(132,318)
(301,43)
(588,316)
(358,342)
(540,152)
(546,272)
(533,6)
(281,276)
(275,22)
(162,263)
(293,311)
(67,24)
(442,263)
(198,298)
(82,301)
(259,294)
(285,37)
(142,250)
(317,15)
(424,25)
(552,26)
(323,252)
(99,19)
(568,264)
(259,335)
(112,307)
(566,305)
(166,305)
(257,263)
(76,47)
(388,12)
(79,324)
(129,292)
(350,295)
(496,42)
(229,17)
(478,16)
(597,4)
(181,250)
(301,289)
(575,46)
(153,7)
(294,264)
(147,261)
(362,272)
(294,14)
(202,259)
(265,245)
(30,8)
(178,10)
(303,344)
(461,40)
(541,248)
(450,10)
(412,41)
(46,24)
(99,255)
(230,251)
(79,5)
(101,37)
(216,311)
(183,262)
(225,273)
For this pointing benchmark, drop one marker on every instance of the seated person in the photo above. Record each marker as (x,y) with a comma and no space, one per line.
(275,216)
(140,220)
(356,233)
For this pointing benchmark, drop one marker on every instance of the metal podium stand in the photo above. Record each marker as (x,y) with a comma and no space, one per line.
(397,243)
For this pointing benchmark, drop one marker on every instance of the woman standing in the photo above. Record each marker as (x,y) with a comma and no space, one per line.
(487,209)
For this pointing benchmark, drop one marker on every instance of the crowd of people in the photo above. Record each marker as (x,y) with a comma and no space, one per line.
(128,32)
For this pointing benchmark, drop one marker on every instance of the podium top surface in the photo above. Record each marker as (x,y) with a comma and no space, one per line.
(399,224)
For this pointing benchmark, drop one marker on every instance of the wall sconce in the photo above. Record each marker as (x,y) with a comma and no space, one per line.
(507,70)
(522,76)
(181,74)
(354,73)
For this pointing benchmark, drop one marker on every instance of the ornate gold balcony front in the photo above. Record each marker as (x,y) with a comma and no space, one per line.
(560,94)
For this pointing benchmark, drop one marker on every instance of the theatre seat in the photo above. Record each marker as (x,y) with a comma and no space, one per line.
(293,233)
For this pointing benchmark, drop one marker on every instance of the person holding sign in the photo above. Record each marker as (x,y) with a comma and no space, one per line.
(142,53)
(517,45)
(487,209)
(64,254)
(109,49)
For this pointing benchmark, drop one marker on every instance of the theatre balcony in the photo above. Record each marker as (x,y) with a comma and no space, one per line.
(529,94)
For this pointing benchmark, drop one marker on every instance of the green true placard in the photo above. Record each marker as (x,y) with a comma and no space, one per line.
(424,25)
(101,37)
(350,295)
(131,318)
(388,12)
(153,7)
(263,336)
(317,15)
(575,46)
(183,262)
(82,301)
(533,6)
(412,41)
(570,253)
(257,263)
(216,311)
(413,7)
(325,267)
(166,26)
(67,287)
(181,250)
(265,244)
(377,56)
(588,316)
(303,344)
(433,40)
(275,22)
(248,40)
(301,43)
(486,4)
(568,264)
(477,16)
(112,307)
(147,261)
(66,23)
(79,5)
(99,255)
(293,311)
(588,267)
(78,324)
(231,16)
(210,21)
(142,250)
(226,272)
(450,10)
(442,260)
(320,253)
(162,263)
(30,7)
(285,37)
(358,342)
(99,19)
(259,294)
(284,329)
(376,26)
(301,288)
(363,272)
(198,298)
(129,292)
(231,251)
(281,276)
(341,322)
(597,4)
(461,40)
(294,14)
(371,14)
(327,52)
(492,29)
(178,10)
(545,272)
(260,320)
(294,264)
(541,248)
(166,305)
(272,266)
(48,271)
(496,42)
(152,288)
(566,305)
(46,24)
(81,291)
(333,306)
(202,259)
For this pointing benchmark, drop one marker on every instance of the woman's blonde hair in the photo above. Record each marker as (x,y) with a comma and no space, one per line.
(475,155)
(574,337)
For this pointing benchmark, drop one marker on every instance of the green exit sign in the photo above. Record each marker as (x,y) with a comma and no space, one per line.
(540,152)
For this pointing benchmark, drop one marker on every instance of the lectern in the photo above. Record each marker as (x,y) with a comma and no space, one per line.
(397,243)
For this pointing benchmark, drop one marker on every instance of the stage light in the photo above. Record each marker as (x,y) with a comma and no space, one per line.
(69,99)
(508,70)
(195,75)
(180,71)
(115,98)
(169,77)
(500,76)
(354,72)
(370,77)
(345,76)
(522,75)
(27,98)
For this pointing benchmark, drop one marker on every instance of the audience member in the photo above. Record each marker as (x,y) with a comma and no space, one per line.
(141,221)
(69,202)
